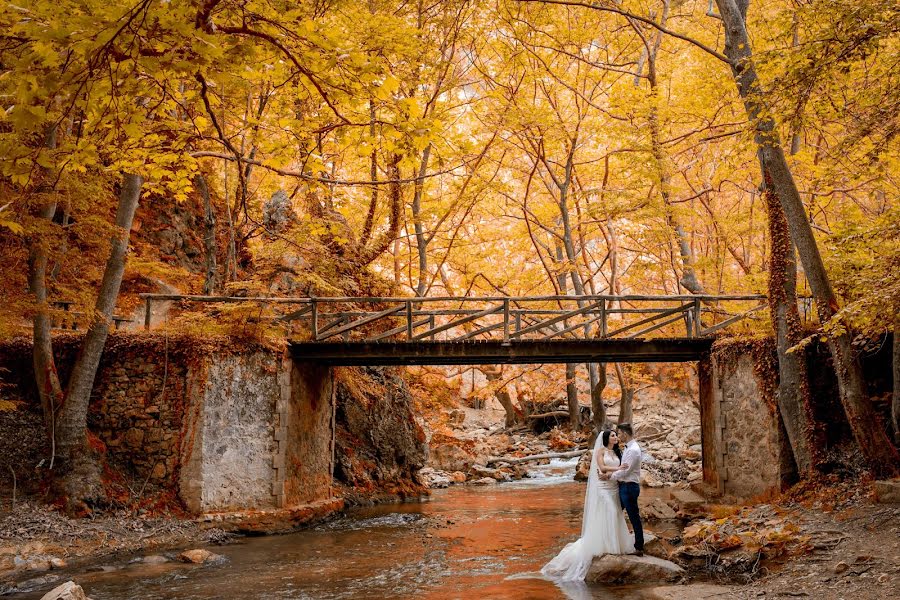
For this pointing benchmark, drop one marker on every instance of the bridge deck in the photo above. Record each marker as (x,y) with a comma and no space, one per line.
(482,352)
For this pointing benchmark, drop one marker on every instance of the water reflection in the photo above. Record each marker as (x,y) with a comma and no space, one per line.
(464,542)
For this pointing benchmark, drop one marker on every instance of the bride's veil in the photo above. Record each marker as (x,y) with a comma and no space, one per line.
(590,495)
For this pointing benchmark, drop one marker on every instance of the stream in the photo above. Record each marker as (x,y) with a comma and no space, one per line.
(462,542)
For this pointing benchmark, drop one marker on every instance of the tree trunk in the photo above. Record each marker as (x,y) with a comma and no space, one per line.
(895,402)
(79,480)
(689,278)
(209,235)
(367,253)
(572,397)
(627,396)
(46,377)
(421,241)
(598,409)
(501,394)
(793,388)
(880,454)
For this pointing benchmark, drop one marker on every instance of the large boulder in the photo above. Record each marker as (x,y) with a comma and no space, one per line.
(450,454)
(626,569)
(379,444)
(67,591)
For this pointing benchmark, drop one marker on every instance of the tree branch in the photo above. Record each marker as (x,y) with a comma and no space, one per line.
(645,20)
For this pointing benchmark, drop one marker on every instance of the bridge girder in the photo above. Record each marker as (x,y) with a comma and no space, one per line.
(361,353)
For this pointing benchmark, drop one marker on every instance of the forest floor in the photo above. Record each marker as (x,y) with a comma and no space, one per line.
(850,551)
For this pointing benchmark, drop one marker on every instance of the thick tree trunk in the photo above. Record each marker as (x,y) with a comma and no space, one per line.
(79,479)
(209,235)
(793,388)
(880,454)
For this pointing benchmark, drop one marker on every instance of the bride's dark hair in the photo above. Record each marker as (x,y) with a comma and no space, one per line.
(616,449)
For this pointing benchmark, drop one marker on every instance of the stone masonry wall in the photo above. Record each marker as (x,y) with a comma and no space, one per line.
(228,427)
(137,410)
(229,437)
(744,440)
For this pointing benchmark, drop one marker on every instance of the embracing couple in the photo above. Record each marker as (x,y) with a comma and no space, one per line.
(614,483)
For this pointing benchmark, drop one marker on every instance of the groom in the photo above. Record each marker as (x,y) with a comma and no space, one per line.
(630,483)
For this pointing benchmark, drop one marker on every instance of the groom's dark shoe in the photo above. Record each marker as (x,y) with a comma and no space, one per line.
(638,553)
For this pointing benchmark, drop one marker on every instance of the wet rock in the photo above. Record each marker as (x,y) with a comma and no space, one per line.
(624,569)
(200,556)
(434,479)
(450,457)
(67,591)
(655,546)
(101,569)
(458,477)
(479,471)
(484,481)
(57,563)
(154,559)
(582,471)
(33,563)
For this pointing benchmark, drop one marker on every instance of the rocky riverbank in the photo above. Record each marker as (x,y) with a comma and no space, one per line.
(38,544)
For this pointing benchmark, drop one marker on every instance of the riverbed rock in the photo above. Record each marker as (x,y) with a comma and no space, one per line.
(582,471)
(688,498)
(154,559)
(479,471)
(484,481)
(450,454)
(655,546)
(200,556)
(67,591)
(32,563)
(656,508)
(624,569)
(458,477)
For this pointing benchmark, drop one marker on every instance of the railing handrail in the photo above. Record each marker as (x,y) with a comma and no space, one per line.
(423,299)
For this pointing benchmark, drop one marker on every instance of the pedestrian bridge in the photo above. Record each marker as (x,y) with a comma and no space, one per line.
(499,329)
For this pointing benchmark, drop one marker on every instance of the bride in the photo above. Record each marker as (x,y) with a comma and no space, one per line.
(603,529)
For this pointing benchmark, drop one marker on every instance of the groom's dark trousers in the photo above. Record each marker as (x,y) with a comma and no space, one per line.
(628,496)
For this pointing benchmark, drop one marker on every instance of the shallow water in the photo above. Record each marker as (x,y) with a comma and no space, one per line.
(463,542)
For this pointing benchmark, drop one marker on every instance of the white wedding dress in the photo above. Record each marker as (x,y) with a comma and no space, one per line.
(603,529)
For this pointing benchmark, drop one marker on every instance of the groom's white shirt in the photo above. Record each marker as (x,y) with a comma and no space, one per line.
(632,458)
